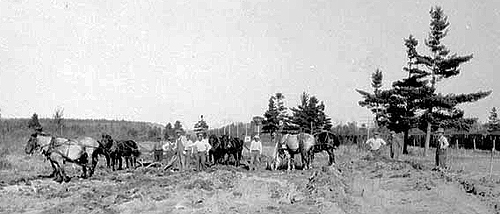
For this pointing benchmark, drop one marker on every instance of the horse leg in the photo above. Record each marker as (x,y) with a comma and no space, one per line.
(119,159)
(54,169)
(60,176)
(108,161)
(57,172)
(331,156)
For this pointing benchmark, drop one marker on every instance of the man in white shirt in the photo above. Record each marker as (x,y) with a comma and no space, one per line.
(375,143)
(255,152)
(441,147)
(201,148)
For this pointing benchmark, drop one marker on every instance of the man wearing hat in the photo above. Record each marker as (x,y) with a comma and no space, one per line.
(180,151)
(255,152)
(441,147)
(396,144)
(201,148)
(375,143)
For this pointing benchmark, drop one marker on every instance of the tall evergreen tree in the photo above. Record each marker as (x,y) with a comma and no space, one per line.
(33,123)
(442,109)
(201,125)
(271,121)
(275,116)
(309,114)
(169,131)
(178,126)
(377,77)
(375,101)
(493,121)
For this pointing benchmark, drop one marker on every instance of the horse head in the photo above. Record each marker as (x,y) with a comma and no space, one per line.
(214,141)
(38,141)
(106,141)
(328,138)
(32,144)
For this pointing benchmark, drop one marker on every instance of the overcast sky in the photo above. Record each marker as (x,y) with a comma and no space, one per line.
(162,61)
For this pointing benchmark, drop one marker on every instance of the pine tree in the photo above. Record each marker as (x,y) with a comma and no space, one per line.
(374,102)
(201,125)
(442,109)
(33,123)
(308,115)
(271,121)
(178,126)
(169,131)
(275,118)
(493,121)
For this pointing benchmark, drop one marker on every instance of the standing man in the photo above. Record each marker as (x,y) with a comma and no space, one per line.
(441,147)
(396,142)
(375,143)
(202,147)
(180,143)
(158,150)
(189,151)
(255,152)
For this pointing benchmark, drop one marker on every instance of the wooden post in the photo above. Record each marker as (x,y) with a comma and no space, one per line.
(474,142)
(456,143)
(491,159)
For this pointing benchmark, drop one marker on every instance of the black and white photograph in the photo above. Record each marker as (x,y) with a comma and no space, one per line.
(249,106)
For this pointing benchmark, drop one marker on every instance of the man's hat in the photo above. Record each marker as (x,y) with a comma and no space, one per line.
(256,137)
(178,131)
(392,132)
(440,130)
(376,132)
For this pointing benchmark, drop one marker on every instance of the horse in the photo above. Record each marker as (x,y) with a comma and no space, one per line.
(216,153)
(232,147)
(106,151)
(293,144)
(58,151)
(326,141)
(93,148)
(128,149)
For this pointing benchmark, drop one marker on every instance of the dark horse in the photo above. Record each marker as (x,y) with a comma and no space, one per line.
(232,147)
(326,141)
(216,153)
(128,149)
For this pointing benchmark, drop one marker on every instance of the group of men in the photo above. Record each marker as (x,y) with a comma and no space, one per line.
(183,150)
(396,144)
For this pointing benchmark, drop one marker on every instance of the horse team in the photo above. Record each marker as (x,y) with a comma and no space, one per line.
(84,151)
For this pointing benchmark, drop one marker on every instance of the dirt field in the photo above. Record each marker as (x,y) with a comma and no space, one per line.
(359,183)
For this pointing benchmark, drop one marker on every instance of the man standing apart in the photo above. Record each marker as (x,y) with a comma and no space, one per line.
(255,152)
(441,147)
(375,143)
(180,143)
(202,148)
(396,142)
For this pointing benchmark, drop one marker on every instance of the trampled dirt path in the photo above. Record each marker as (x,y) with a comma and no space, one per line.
(357,184)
